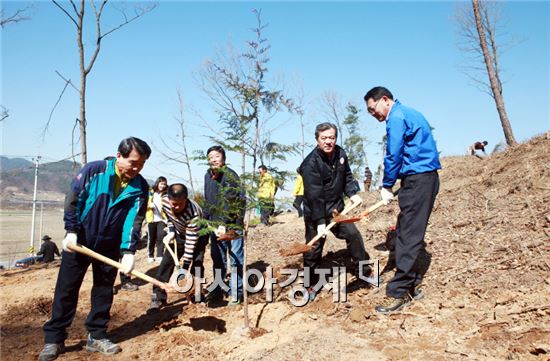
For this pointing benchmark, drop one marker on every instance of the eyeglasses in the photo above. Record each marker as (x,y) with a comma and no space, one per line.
(372,109)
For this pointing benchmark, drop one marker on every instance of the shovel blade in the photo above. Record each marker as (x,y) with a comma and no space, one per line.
(341,219)
(228,236)
(295,249)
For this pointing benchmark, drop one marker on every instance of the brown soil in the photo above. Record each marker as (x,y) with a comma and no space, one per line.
(487,288)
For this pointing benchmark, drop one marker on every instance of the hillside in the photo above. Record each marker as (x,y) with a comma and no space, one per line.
(487,288)
(17,182)
(7,164)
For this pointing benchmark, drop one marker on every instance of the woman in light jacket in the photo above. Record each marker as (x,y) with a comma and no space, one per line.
(156,219)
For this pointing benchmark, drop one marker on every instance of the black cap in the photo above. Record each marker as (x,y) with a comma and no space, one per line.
(46,238)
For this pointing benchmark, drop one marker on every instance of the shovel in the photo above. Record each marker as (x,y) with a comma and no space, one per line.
(180,272)
(230,235)
(88,252)
(341,219)
(303,248)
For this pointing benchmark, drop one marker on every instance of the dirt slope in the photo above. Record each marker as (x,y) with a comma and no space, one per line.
(487,289)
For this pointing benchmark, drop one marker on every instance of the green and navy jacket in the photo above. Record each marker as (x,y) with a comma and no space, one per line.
(105,224)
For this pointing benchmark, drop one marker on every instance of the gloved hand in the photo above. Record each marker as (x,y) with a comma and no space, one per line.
(386,194)
(321,229)
(356,199)
(127,263)
(220,231)
(70,239)
(168,238)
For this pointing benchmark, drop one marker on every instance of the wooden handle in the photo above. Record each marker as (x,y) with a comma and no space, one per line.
(332,224)
(376,205)
(88,252)
(167,246)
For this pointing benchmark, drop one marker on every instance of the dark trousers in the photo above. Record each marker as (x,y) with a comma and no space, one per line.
(71,273)
(298,205)
(267,207)
(416,200)
(354,243)
(155,235)
(167,265)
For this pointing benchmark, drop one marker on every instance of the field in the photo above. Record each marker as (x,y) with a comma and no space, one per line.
(487,290)
(15,232)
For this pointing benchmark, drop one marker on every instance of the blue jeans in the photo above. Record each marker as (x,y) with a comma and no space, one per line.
(219,252)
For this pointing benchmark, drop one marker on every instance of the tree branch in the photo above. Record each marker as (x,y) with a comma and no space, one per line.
(66,12)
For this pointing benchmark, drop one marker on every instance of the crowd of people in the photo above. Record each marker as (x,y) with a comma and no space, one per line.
(109,199)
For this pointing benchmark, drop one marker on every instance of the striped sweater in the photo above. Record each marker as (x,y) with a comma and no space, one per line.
(184,226)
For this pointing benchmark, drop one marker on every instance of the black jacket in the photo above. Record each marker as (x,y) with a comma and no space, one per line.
(224,197)
(326,181)
(48,249)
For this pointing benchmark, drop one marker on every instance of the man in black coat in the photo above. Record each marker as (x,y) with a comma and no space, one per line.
(327,179)
(48,250)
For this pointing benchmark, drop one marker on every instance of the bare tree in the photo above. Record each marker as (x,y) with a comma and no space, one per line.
(300,110)
(346,119)
(176,155)
(76,15)
(16,17)
(478,28)
(8,19)
(330,105)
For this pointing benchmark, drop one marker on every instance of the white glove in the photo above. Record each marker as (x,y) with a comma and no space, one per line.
(386,194)
(356,199)
(127,263)
(321,229)
(219,231)
(168,238)
(69,240)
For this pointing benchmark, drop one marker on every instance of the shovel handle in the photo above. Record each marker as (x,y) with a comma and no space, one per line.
(88,252)
(368,210)
(377,205)
(331,224)
(174,256)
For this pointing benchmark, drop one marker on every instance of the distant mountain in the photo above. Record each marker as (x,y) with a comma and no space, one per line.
(52,177)
(17,182)
(7,164)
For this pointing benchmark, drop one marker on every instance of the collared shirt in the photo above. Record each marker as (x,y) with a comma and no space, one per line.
(184,225)
(410,145)
(119,183)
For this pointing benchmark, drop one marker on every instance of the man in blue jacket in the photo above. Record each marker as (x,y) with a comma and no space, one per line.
(411,155)
(104,209)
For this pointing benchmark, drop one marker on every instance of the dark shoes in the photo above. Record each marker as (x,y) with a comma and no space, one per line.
(51,351)
(103,345)
(129,286)
(417,293)
(374,280)
(394,304)
(213,299)
(156,304)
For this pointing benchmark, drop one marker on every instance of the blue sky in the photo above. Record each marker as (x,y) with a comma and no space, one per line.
(343,47)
